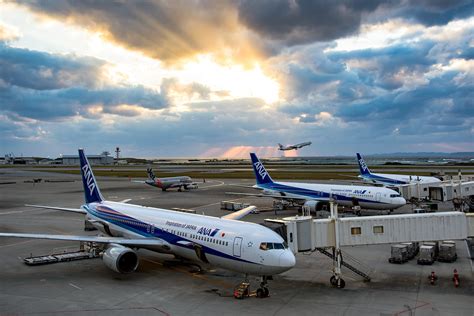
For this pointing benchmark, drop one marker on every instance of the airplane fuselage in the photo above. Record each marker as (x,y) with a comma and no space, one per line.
(225,243)
(367,197)
(397,179)
(171,182)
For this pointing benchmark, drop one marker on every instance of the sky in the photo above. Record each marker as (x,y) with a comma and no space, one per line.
(224,78)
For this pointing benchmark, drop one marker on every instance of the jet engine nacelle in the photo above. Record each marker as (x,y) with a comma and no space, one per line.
(311,206)
(120,259)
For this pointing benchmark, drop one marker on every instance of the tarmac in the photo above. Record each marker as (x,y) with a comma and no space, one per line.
(164,286)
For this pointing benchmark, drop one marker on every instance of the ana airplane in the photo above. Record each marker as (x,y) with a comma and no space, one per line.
(205,240)
(311,194)
(293,147)
(179,182)
(390,179)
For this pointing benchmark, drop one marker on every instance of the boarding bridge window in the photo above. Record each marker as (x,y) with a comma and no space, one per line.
(356,230)
(378,229)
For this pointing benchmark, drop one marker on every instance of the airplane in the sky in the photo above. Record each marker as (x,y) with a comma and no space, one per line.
(390,179)
(369,197)
(293,147)
(223,242)
(179,182)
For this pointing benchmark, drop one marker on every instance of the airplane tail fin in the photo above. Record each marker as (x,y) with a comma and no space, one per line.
(280,146)
(151,175)
(91,189)
(261,173)
(364,170)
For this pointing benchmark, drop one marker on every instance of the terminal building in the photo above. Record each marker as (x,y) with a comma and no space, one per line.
(102,159)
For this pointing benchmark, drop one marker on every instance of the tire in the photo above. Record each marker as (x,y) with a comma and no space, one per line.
(260,293)
(341,284)
(332,280)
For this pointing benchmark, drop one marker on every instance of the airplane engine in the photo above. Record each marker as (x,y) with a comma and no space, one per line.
(311,206)
(120,259)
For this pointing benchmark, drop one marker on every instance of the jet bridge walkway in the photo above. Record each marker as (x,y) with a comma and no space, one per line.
(304,233)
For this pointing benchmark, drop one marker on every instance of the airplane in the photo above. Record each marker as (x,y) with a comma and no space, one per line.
(224,242)
(310,194)
(179,182)
(390,179)
(295,147)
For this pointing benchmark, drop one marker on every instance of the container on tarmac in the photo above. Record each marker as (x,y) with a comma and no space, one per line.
(427,255)
(399,254)
(413,249)
(435,245)
(447,252)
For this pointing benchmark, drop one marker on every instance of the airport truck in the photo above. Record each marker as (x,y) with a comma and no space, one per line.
(427,255)
(399,254)
(447,251)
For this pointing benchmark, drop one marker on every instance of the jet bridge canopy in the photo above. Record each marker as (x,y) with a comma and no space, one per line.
(305,233)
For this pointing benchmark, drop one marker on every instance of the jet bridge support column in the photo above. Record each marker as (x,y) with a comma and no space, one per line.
(336,280)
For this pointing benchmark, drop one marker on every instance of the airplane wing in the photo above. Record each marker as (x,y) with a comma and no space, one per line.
(138,242)
(241,213)
(73,210)
(275,196)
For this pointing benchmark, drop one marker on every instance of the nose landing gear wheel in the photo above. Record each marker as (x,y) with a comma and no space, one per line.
(339,283)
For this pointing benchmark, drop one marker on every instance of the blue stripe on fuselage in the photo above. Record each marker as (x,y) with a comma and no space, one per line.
(383,179)
(317,195)
(140,228)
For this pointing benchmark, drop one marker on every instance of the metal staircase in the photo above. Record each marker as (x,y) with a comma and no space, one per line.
(348,262)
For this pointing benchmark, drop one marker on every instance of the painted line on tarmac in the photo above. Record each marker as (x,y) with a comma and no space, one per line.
(216,203)
(75,286)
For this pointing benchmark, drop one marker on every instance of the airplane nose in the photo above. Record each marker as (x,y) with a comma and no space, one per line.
(287,260)
(402,201)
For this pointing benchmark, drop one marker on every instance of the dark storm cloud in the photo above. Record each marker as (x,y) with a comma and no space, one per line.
(166,30)
(437,12)
(44,86)
(297,22)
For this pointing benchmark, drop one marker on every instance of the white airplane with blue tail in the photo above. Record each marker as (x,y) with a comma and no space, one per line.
(390,179)
(369,197)
(223,242)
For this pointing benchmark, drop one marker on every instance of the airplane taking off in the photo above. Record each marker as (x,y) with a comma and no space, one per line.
(293,147)
(311,194)
(179,182)
(390,179)
(224,242)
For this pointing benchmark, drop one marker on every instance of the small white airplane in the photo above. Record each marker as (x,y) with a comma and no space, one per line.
(311,194)
(205,240)
(390,179)
(293,147)
(180,182)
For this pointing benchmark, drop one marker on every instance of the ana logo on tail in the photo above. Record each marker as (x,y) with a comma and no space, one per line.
(363,165)
(260,169)
(89,179)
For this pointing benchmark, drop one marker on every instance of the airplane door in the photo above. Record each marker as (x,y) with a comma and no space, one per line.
(377,197)
(237,246)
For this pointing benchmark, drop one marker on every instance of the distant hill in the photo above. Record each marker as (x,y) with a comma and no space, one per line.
(425,154)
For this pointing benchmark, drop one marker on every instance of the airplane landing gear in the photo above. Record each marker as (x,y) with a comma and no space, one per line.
(337,282)
(263,291)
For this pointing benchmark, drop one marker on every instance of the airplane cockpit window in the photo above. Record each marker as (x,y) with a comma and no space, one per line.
(273,245)
(394,195)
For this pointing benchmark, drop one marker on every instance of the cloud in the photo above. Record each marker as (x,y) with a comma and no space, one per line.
(299,22)
(42,86)
(166,30)
(42,71)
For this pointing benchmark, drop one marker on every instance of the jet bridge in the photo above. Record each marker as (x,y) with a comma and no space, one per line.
(304,233)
